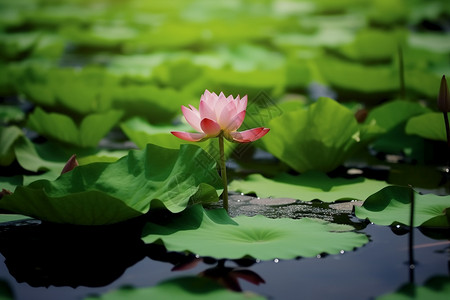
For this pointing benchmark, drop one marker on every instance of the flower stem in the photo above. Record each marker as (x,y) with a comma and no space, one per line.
(447,130)
(223,172)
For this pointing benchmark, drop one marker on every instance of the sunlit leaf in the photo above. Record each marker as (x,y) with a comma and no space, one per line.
(104,193)
(9,113)
(393,113)
(214,233)
(436,42)
(186,288)
(62,128)
(430,126)
(392,117)
(393,205)
(308,186)
(11,218)
(8,137)
(358,78)
(319,137)
(151,102)
(365,46)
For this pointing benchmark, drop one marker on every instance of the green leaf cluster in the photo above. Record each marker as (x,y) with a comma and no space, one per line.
(105,193)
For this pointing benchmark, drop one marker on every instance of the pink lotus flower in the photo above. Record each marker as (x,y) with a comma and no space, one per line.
(218,115)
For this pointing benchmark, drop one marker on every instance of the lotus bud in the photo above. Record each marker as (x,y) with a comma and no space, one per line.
(444,97)
(70,164)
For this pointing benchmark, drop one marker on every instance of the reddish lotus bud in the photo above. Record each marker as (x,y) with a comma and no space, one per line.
(70,164)
(444,97)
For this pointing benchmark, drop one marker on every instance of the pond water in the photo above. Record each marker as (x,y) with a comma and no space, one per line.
(41,261)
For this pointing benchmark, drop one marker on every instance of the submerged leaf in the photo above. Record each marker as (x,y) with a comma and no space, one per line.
(393,205)
(214,233)
(105,193)
(308,186)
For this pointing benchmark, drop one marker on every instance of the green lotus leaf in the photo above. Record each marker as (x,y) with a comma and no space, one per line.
(101,35)
(151,102)
(9,113)
(358,78)
(393,204)
(10,182)
(105,193)
(308,186)
(365,46)
(18,45)
(436,42)
(186,288)
(4,218)
(436,288)
(430,126)
(62,128)
(389,12)
(141,133)
(326,36)
(8,137)
(320,137)
(78,92)
(392,116)
(6,293)
(393,113)
(213,233)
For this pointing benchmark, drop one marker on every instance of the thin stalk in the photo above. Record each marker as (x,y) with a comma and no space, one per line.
(411,238)
(447,130)
(223,172)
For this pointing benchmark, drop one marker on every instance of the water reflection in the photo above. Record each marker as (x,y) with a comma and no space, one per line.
(44,254)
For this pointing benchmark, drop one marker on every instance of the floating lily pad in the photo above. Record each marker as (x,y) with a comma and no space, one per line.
(393,204)
(320,137)
(308,186)
(436,288)
(4,218)
(62,128)
(186,288)
(430,126)
(213,233)
(105,193)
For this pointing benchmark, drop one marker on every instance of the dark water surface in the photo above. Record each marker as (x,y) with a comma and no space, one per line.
(40,262)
